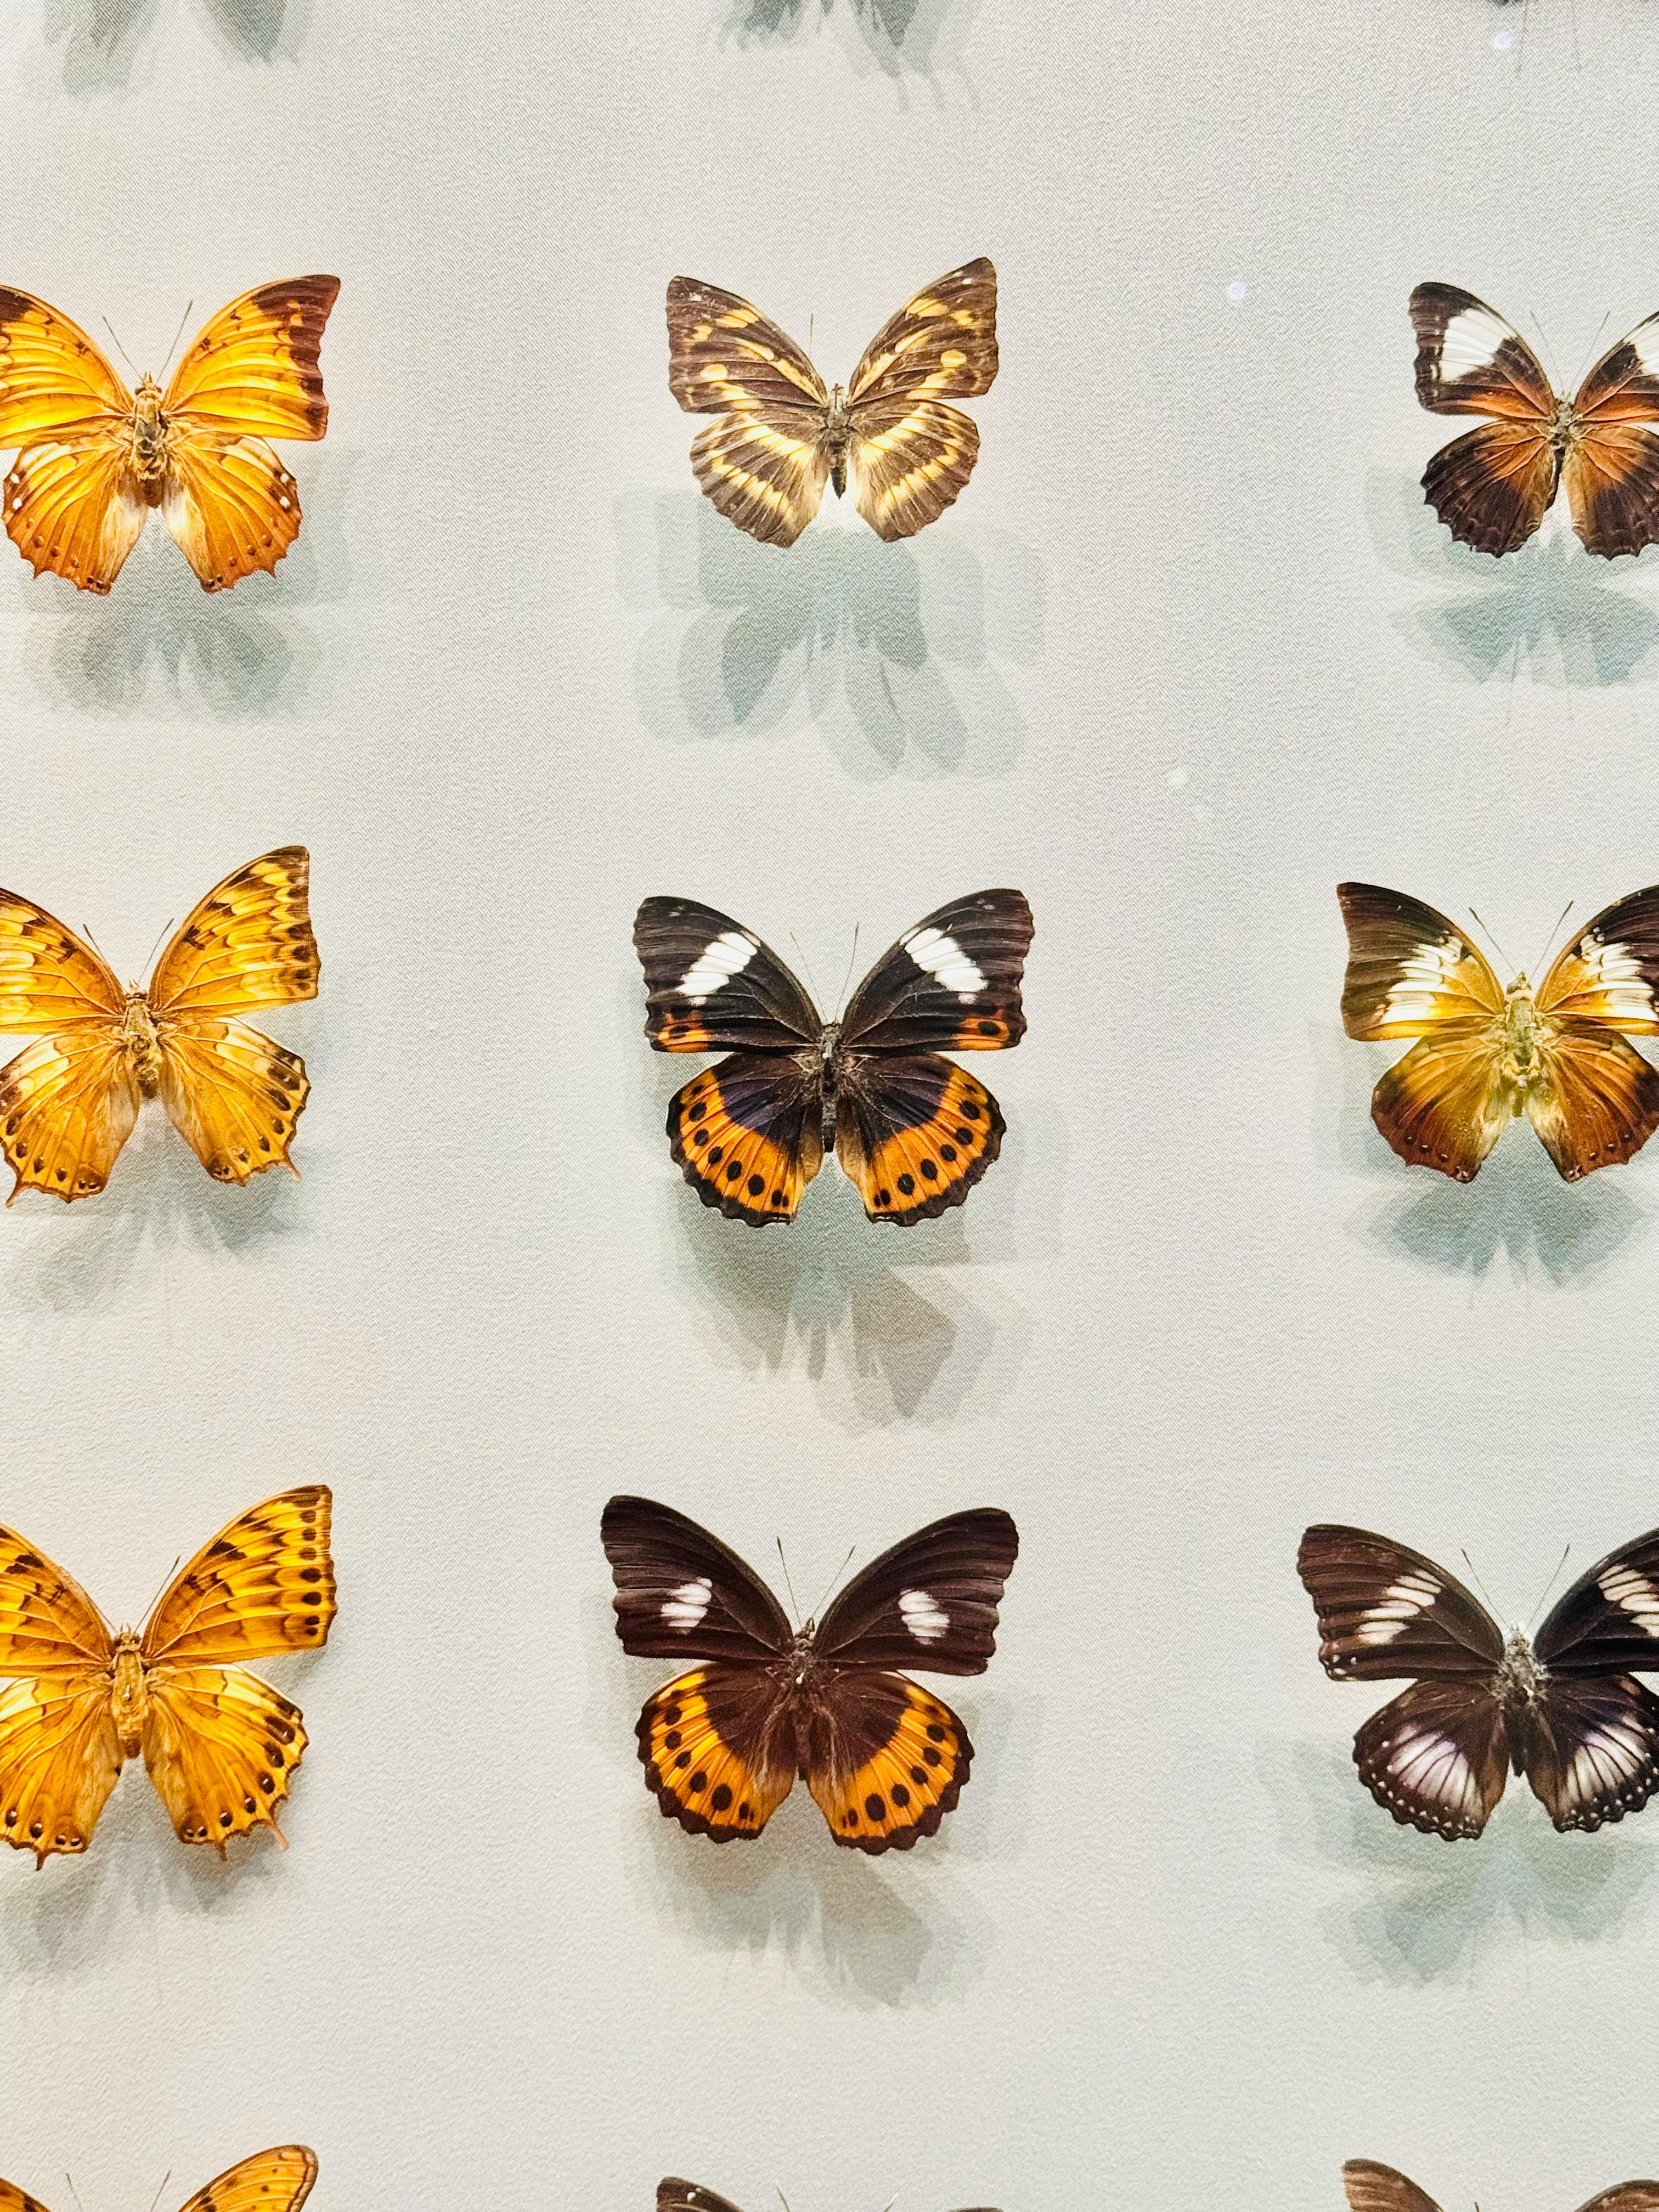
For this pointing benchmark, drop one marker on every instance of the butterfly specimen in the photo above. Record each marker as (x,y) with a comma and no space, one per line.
(94,459)
(68,1102)
(1563,1708)
(778,435)
(220,1746)
(1485,1055)
(914,1131)
(1493,485)
(676,2196)
(722,1743)
(270,2181)
(1373,2188)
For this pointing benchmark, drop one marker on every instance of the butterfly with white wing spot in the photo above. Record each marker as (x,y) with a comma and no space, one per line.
(1373,2188)
(1492,486)
(1564,1708)
(1485,1055)
(676,2196)
(722,1744)
(914,1131)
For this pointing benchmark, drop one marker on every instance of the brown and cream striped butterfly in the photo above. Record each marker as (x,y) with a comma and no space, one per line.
(1485,1055)
(1492,486)
(220,1746)
(676,2196)
(779,435)
(1564,1708)
(1373,2188)
(277,2180)
(94,459)
(722,1743)
(68,1102)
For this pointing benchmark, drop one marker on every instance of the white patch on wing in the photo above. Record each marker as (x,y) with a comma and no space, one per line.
(715,965)
(1623,1586)
(1428,977)
(923,1615)
(1434,1769)
(1618,976)
(1644,343)
(1610,1756)
(943,959)
(1471,345)
(1397,1608)
(686,1606)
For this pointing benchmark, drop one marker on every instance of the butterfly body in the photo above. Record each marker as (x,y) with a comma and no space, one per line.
(914,1131)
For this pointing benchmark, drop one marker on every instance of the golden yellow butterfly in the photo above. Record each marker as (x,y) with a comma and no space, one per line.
(270,2181)
(69,1100)
(94,458)
(220,1745)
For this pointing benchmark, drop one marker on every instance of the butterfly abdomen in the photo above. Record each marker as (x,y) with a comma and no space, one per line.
(142,1043)
(129,1692)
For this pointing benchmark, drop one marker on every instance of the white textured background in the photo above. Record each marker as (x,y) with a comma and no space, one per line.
(1188,650)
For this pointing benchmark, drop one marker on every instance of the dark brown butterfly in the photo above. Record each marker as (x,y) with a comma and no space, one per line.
(1492,486)
(914,1131)
(1564,1709)
(722,1743)
(779,435)
(1484,1054)
(1373,2188)
(676,2196)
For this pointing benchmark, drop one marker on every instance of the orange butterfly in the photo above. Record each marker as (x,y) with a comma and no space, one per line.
(270,2181)
(68,1103)
(220,1745)
(94,459)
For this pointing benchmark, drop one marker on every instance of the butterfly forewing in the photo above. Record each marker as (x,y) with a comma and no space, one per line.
(48,977)
(1373,2188)
(13,2199)
(951,984)
(252,370)
(277,2180)
(929,1602)
(943,343)
(682,1594)
(1612,468)
(60,1753)
(1387,1613)
(1471,362)
(712,986)
(1410,970)
(264,1584)
(1608,1621)
(1610,972)
(674,2195)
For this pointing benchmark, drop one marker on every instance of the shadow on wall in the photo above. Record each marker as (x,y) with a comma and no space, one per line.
(100,38)
(159,639)
(881,648)
(1517,1210)
(1430,1911)
(1548,610)
(901,37)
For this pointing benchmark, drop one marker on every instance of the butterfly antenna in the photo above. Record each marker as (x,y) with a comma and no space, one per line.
(1543,343)
(805,963)
(121,349)
(1549,1586)
(788,1584)
(1492,1603)
(69,2181)
(160,934)
(164,1584)
(177,334)
(156,2199)
(847,977)
(834,1579)
(1490,939)
(1594,350)
(1550,940)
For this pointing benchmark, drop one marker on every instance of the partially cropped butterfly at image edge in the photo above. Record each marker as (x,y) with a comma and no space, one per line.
(762,1703)
(277,2180)
(220,1744)
(779,435)
(94,458)
(1373,2188)
(1492,486)
(1555,1051)
(676,2196)
(1564,1708)
(912,1130)
(68,1102)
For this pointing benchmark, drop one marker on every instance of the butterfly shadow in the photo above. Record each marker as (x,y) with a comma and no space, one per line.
(160,1201)
(1433,1911)
(1517,1211)
(100,38)
(882,649)
(1548,608)
(899,38)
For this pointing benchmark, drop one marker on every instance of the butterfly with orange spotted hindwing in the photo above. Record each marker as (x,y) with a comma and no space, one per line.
(913,1131)
(723,1742)
(1564,1708)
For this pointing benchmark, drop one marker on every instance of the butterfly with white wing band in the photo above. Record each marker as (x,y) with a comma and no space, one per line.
(1564,1708)
(674,2195)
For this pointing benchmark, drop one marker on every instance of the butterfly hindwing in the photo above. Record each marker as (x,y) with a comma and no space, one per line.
(951,984)
(234,1096)
(68,1104)
(747,1134)
(719,1750)
(1435,1757)
(221,1747)
(910,459)
(1589,1745)
(276,2180)
(914,1134)
(886,1760)
(231,505)
(72,508)
(60,1757)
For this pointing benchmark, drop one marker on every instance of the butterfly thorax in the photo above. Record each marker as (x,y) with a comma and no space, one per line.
(836,435)
(129,1697)
(141,1040)
(1524,1029)
(1563,430)
(150,436)
(824,1066)
(1521,1675)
